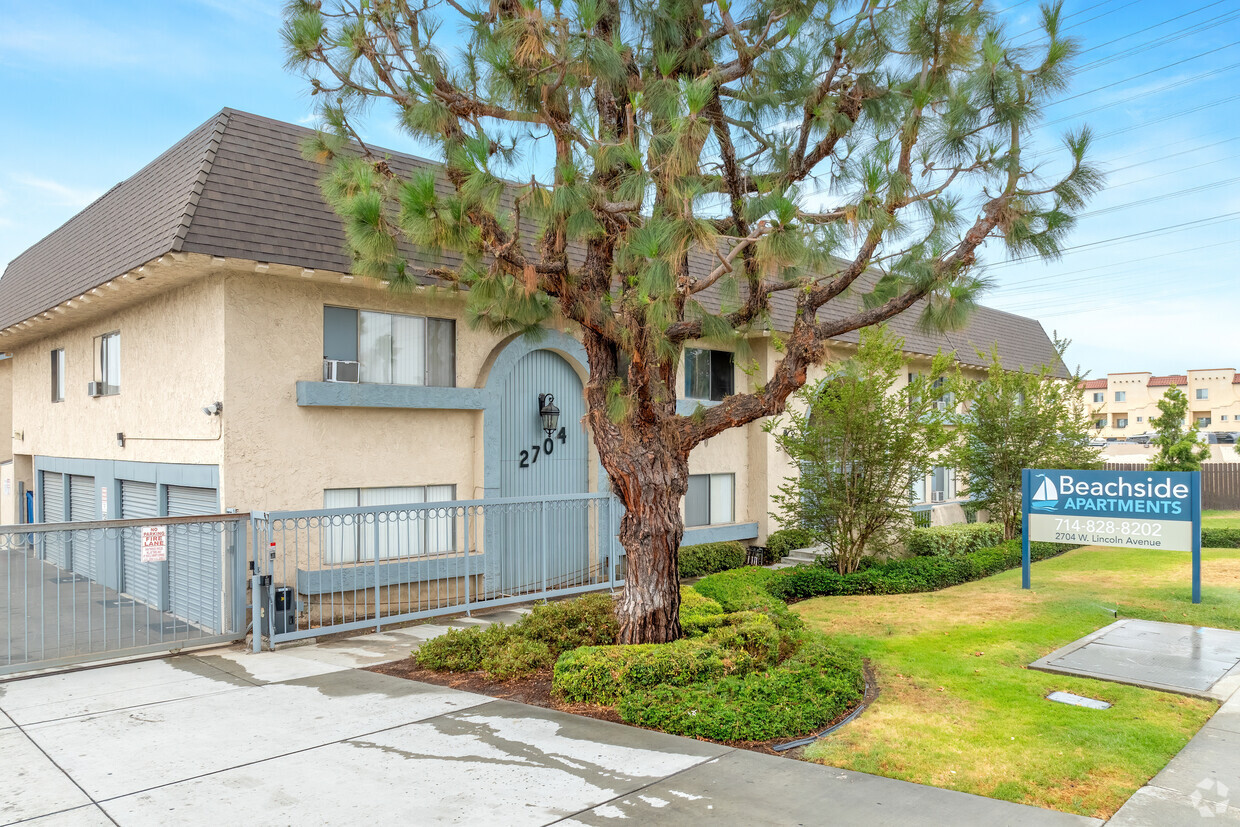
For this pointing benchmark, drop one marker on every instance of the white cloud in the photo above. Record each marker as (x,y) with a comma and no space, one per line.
(60,194)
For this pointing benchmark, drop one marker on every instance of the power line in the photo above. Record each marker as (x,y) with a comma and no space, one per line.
(1160,41)
(1032,285)
(1143,74)
(1160,197)
(1150,122)
(1038,29)
(1154,26)
(1168,87)
(1172,155)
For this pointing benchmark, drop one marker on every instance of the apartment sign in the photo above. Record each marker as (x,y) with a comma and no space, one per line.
(1121,509)
(154,543)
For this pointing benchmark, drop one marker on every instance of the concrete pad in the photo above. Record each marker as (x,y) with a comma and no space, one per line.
(500,763)
(745,788)
(267,667)
(349,654)
(1211,757)
(88,691)
(30,784)
(183,739)
(1228,715)
(733,789)
(1171,657)
(507,617)
(90,816)
(1156,807)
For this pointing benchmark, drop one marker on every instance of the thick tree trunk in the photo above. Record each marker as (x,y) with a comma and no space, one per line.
(650,532)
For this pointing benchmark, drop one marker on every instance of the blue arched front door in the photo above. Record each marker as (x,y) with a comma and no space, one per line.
(542,541)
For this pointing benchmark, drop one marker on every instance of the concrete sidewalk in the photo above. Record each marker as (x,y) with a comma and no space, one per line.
(303,735)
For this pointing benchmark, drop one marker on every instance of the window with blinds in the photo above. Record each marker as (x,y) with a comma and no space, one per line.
(390,348)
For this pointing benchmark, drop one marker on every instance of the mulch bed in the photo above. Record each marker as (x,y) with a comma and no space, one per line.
(535,690)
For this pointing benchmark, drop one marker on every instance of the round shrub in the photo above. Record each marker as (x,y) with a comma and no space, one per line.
(589,620)
(953,540)
(698,612)
(516,659)
(604,674)
(787,540)
(809,690)
(460,650)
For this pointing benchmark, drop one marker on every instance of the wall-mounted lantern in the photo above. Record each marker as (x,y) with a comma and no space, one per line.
(548,412)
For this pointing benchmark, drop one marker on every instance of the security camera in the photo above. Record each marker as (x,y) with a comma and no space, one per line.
(213,409)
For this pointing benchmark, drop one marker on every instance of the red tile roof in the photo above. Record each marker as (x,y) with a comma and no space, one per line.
(1156,381)
(1093,384)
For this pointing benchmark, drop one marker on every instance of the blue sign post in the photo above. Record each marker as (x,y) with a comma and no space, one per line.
(1122,509)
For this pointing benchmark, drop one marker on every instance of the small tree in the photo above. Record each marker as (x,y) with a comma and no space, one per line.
(1178,448)
(1020,419)
(858,440)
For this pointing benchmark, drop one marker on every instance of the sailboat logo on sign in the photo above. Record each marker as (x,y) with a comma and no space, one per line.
(1046,498)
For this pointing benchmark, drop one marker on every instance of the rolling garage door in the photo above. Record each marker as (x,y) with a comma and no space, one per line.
(53,511)
(194,554)
(83,555)
(140,500)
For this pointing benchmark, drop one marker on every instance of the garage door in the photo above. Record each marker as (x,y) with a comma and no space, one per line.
(194,554)
(140,500)
(83,553)
(53,511)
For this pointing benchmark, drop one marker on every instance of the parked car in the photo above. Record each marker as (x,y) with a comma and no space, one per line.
(1098,442)
(1228,437)
(1142,439)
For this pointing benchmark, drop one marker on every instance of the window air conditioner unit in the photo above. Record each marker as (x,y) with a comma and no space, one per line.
(94,388)
(339,370)
(936,496)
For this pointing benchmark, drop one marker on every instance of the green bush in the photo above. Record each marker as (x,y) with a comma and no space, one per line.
(698,613)
(589,620)
(953,540)
(461,650)
(516,659)
(744,590)
(604,674)
(914,574)
(787,540)
(750,632)
(807,691)
(708,558)
(1220,538)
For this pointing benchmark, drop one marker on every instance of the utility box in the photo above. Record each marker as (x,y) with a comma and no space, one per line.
(284,612)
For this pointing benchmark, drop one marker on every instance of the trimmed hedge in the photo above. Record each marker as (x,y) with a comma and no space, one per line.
(745,589)
(708,558)
(914,574)
(787,540)
(605,674)
(953,540)
(808,690)
(698,613)
(1220,538)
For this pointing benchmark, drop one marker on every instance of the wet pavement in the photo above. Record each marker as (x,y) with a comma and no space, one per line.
(1172,657)
(303,735)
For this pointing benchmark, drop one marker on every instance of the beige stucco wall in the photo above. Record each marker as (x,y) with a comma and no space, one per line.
(172,364)
(1140,404)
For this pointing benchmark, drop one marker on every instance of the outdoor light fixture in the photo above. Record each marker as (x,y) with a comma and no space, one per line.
(120,439)
(213,409)
(549,413)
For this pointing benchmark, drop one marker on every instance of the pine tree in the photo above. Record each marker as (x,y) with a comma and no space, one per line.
(1178,448)
(695,158)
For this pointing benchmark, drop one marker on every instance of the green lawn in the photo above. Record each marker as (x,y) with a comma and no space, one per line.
(959,709)
(1220,519)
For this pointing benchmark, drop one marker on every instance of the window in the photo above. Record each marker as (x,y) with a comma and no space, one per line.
(352,539)
(919,490)
(1121,423)
(943,484)
(1140,419)
(1203,393)
(388,348)
(1100,424)
(58,375)
(1099,396)
(709,499)
(107,370)
(708,374)
(1121,396)
(1203,421)
(1223,417)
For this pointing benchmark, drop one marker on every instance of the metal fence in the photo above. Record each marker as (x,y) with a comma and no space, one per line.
(82,591)
(334,570)
(1220,482)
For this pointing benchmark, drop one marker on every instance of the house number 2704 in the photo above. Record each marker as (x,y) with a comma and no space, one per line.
(530,457)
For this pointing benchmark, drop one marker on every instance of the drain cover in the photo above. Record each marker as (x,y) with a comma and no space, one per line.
(1077,700)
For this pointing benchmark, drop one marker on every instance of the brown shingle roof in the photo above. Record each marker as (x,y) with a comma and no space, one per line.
(237,186)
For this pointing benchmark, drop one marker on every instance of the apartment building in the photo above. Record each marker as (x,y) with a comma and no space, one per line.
(194,340)
(1123,404)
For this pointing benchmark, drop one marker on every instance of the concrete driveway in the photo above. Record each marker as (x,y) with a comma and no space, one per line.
(304,736)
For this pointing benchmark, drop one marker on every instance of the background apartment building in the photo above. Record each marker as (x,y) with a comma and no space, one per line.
(1123,404)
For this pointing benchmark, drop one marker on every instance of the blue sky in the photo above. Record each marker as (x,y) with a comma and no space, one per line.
(96,90)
